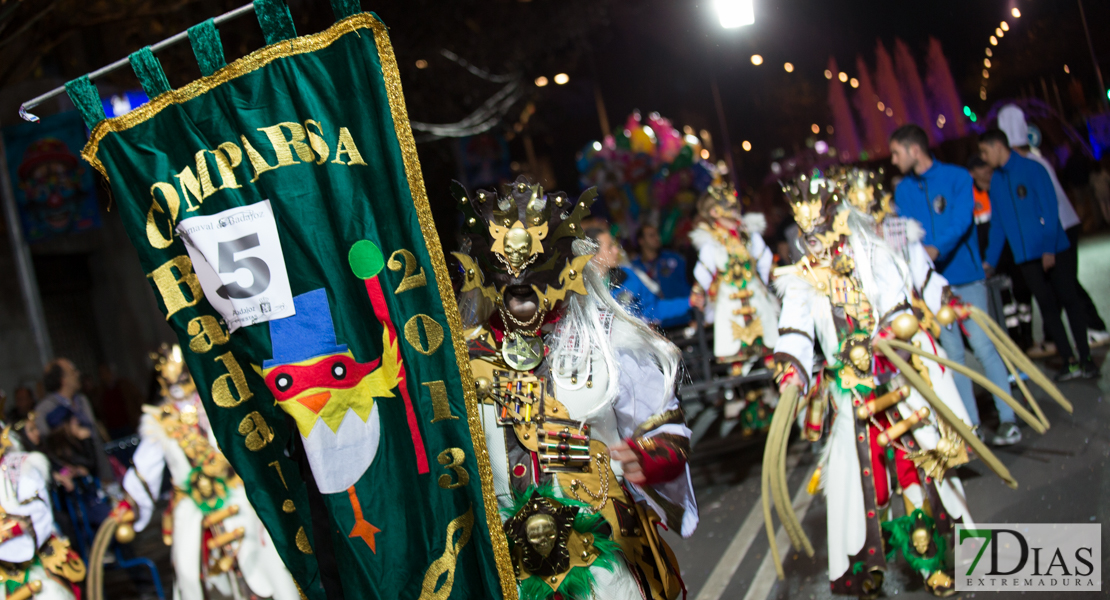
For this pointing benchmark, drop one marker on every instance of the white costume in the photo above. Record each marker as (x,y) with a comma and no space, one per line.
(30,554)
(846,304)
(740,305)
(256,559)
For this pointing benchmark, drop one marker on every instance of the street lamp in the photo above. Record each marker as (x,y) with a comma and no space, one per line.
(735,13)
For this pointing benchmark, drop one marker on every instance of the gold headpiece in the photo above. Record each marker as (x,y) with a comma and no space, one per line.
(814,200)
(863,189)
(718,195)
(173,376)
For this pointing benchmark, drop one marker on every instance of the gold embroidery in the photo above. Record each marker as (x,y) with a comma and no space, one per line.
(169,284)
(277,467)
(221,386)
(302,542)
(747,334)
(288,506)
(409,281)
(257,432)
(453,458)
(206,332)
(432,329)
(441,408)
(445,564)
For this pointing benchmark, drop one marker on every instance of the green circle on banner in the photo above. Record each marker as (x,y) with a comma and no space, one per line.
(366,259)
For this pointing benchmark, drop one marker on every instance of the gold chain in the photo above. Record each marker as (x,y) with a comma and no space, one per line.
(603,493)
(508,316)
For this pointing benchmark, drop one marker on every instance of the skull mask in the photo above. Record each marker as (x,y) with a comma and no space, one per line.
(542,533)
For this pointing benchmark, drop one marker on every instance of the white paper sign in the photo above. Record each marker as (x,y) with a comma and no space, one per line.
(237,257)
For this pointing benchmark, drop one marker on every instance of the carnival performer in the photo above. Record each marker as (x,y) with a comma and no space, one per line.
(586,440)
(733,272)
(849,289)
(219,546)
(34,562)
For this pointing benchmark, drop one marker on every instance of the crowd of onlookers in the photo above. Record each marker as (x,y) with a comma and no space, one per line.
(68,418)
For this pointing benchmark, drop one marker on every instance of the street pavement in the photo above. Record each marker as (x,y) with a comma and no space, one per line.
(1063,477)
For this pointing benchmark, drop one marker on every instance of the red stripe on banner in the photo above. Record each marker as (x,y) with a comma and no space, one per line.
(381,311)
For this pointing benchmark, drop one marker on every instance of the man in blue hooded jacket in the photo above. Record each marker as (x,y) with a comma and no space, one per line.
(940,197)
(1024,214)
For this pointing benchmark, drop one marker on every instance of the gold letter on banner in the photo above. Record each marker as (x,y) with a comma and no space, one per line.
(441,408)
(319,146)
(221,387)
(282,145)
(169,284)
(452,458)
(173,202)
(432,329)
(206,332)
(256,430)
(200,188)
(409,281)
(258,164)
(346,145)
(228,156)
(446,562)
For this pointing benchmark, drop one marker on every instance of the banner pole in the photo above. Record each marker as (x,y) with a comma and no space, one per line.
(24,268)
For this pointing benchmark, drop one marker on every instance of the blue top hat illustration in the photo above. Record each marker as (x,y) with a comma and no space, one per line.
(307,334)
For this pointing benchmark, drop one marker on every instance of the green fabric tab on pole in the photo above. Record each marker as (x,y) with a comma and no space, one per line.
(149,71)
(209,52)
(275,20)
(85,97)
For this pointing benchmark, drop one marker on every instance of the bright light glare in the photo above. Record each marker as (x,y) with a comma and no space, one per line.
(821,146)
(828,74)
(994,41)
(853,82)
(1066,69)
(735,13)
(986,74)
(757,60)
(982,94)
(691,139)
(1016,13)
(881,106)
(421,64)
(989,53)
(998,31)
(788,67)
(705,154)
(747,146)
(541,81)
(597,146)
(1005,26)
(815,128)
(562,78)
(843,77)
(987,63)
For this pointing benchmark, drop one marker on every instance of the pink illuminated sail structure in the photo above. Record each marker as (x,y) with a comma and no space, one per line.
(847,140)
(913,91)
(890,89)
(871,118)
(942,90)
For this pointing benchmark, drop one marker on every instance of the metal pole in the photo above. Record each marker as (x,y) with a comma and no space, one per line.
(724,134)
(1103,99)
(184,35)
(25,270)
(602,116)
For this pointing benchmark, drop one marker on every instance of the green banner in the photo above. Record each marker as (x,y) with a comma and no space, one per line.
(279,213)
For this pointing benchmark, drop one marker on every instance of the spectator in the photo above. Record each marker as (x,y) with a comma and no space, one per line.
(940,197)
(1024,214)
(1011,120)
(71,448)
(665,267)
(23,402)
(62,380)
(634,292)
(981,174)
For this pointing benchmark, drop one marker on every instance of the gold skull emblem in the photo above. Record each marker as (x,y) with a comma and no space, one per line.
(518,248)
(542,533)
(920,539)
(205,487)
(861,359)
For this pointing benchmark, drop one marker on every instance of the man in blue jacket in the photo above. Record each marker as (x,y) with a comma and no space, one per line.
(1024,214)
(940,197)
(633,291)
(665,267)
